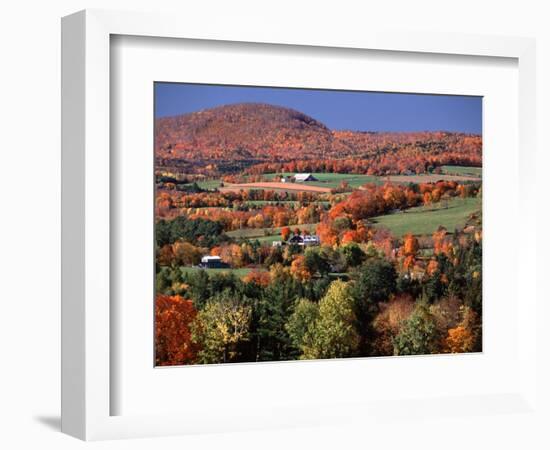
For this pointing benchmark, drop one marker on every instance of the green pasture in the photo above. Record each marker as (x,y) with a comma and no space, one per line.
(207,184)
(237,272)
(462,170)
(424,220)
(333,180)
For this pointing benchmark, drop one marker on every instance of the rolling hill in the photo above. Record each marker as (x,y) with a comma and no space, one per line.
(255,134)
(240,132)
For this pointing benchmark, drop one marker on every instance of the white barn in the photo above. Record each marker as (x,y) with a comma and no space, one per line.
(301,177)
(304,240)
(212,262)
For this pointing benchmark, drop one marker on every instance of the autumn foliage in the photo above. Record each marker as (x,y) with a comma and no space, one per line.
(277,135)
(299,269)
(257,277)
(235,284)
(173,316)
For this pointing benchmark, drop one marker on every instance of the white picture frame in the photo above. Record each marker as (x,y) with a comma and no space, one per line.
(87,325)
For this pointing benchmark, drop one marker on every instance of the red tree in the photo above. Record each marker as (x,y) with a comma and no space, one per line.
(173,317)
(285,233)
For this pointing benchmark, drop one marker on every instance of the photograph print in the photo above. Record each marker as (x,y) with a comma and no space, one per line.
(307,224)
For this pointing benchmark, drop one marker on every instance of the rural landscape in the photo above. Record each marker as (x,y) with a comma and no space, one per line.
(280,237)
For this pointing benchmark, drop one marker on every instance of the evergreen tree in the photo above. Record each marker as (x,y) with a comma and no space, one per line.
(273,311)
(374,282)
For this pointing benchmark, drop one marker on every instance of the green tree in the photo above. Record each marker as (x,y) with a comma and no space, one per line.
(418,335)
(163,232)
(199,287)
(272,312)
(315,262)
(333,334)
(375,280)
(199,231)
(164,282)
(353,255)
(302,322)
(335,259)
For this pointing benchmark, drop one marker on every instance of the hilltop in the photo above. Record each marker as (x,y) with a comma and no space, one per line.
(240,131)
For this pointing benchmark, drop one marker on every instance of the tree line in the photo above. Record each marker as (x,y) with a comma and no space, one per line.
(376,310)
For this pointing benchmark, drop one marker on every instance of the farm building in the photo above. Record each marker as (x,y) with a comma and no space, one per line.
(212,262)
(304,240)
(301,177)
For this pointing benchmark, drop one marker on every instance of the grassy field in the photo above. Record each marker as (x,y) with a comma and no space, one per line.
(207,184)
(427,178)
(269,239)
(267,234)
(333,180)
(237,272)
(462,170)
(422,220)
(276,186)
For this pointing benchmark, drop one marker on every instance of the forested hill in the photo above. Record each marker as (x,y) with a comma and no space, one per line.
(266,134)
(241,131)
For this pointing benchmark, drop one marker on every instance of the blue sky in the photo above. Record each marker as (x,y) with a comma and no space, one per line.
(338,110)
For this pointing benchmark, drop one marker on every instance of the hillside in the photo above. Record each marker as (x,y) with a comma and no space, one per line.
(265,138)
(240,132)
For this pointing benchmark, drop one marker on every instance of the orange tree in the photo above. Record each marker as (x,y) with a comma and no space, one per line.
(173,317)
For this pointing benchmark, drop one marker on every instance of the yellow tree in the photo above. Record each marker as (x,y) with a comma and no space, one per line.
(186,253)
(221,325)
(466,336)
